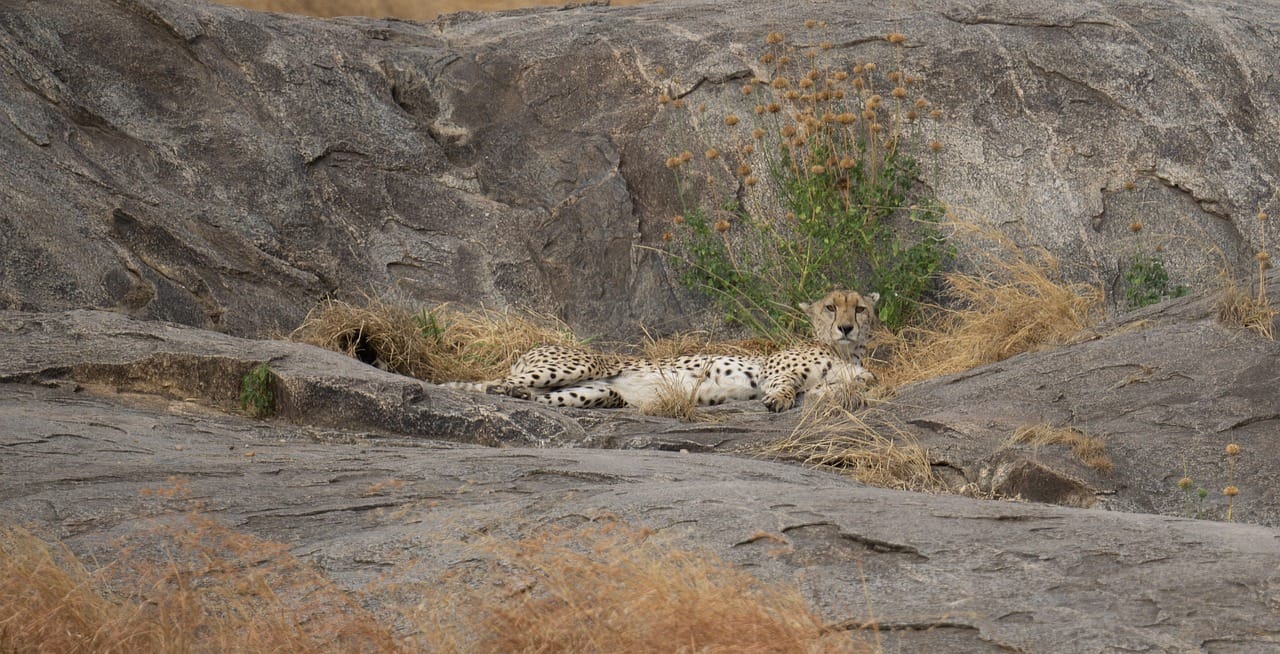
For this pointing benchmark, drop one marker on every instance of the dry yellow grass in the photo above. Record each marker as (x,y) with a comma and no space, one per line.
(601,589)
(1089,450)
(406,9)
(1019,303)
(438,345)
(866,445)
(613,588)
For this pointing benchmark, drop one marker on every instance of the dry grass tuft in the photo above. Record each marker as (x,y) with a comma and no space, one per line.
(438,345)
(1089,450)
(602,589)
(1240,308)
(613,588)
(1019,304)
(867,445)
(220,592)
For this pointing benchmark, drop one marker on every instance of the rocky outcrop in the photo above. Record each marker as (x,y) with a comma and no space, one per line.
(180,178)
(943,573)
(227,169)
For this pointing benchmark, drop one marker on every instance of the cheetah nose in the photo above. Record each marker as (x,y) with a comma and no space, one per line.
(846,329)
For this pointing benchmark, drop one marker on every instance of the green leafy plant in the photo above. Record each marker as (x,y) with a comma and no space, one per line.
(256,394)
(1146,281)
(844,209)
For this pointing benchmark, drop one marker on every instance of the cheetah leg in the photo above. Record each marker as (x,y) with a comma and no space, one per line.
(780,391)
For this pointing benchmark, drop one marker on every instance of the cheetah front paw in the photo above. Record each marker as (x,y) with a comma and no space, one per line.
(518,392)
(779,402)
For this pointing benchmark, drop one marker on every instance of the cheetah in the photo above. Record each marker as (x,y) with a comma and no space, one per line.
(572,377)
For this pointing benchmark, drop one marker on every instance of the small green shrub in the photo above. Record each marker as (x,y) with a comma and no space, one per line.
(845,207)
(1147,282)
(256,394)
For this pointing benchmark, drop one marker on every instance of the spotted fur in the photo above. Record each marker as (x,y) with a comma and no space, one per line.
(575,377)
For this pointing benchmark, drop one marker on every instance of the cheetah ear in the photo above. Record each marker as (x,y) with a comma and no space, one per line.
(872,297)
(804,306)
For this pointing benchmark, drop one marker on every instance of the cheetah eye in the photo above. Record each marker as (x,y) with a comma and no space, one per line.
(859,309)
(831,308)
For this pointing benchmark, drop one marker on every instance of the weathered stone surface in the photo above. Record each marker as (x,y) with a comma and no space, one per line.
(943,573)
(227,169)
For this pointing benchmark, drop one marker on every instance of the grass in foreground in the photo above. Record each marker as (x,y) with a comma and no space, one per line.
(1088,449)
(604,588)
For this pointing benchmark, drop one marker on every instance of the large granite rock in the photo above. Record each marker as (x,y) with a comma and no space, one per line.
(223,168)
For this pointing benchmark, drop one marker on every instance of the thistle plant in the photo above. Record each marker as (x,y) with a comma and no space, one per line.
(816,189)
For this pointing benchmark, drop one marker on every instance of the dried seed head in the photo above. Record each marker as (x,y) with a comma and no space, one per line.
(663,98)
(829,117)
(825,45)
(875,127)
(1129,185)
(1184,483)
(847,118)
(817,170)
(1135,226)
(702,107)
(677,219)
(748,149)
(744,170)
(712,153)
(1231,491)
(894,76)
(857,69)
(757,133)
(895,37)
(792,95)
(841,76)
(858,83)
(759,109)
(750,180)
(899,92)
(799,141)
(838,94)
(659,70)
(935,114)
(874,101)
(1262,216)
(788,131)
(936,146)
(731,120)
(780,83)
(784,60)
(677,103)
(921,103)
(766,58)
(869,114)
(722,226)
(667,236)
(806,83)
(847,163)
(813,74)
(685,156)
(773,107)
(810,24)
(748,89)
(1262,257)
(912,114)
(773,38)
(869,66)
(673,162)
(1233,449)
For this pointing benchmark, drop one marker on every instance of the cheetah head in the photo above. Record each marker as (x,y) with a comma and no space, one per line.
(842,319)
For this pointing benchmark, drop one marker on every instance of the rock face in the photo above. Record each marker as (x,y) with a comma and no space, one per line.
(226,169)
(182,177)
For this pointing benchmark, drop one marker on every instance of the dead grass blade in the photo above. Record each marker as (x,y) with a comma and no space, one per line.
(1019,304)
(439,344)
(614,588)
(866,445)
(1089,450)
